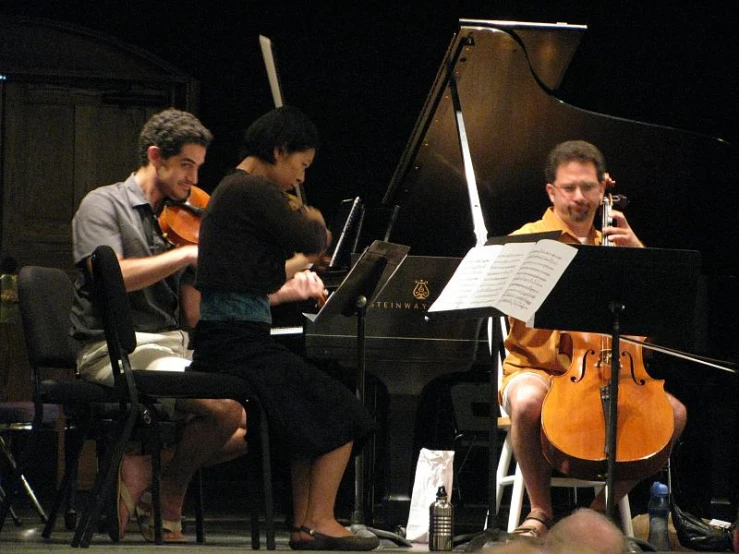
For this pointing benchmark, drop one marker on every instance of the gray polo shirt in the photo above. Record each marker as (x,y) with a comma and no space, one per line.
(120,216)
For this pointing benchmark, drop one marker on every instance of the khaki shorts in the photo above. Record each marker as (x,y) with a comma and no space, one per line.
(543,376)
(154,351)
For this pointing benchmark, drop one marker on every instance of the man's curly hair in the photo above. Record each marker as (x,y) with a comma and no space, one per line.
(170,130)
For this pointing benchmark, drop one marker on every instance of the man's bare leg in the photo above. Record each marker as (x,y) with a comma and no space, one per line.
(213,425)
(525,397)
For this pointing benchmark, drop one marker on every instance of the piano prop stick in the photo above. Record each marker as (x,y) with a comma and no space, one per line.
(366,280)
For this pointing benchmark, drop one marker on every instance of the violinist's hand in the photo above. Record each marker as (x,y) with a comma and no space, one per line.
(299,262)
(303,285)
(314,214)
(620,232)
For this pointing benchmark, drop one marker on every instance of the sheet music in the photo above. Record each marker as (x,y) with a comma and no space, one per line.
(514,278)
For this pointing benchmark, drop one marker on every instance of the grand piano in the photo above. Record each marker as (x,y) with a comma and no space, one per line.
(683,194)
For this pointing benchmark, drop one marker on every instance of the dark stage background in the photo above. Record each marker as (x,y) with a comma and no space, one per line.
(361,70)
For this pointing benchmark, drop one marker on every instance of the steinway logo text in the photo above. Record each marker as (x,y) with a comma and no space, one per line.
(421,292)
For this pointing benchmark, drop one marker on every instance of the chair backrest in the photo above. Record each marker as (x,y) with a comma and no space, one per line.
(112,300)
(45,297)
(471,404)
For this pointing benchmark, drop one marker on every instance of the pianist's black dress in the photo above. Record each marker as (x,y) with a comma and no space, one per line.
(309,412)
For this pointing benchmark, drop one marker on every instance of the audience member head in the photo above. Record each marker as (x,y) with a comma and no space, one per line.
(585,532)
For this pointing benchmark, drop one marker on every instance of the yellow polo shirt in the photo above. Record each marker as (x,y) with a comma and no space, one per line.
(535,350)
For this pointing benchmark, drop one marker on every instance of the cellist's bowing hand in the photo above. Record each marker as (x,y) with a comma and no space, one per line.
(621,233)
(304,285)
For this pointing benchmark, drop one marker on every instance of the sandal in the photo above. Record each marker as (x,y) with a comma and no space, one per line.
(116,524)
(171,528)
(530,531)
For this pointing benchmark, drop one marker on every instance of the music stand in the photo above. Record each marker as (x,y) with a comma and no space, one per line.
(364,282)
(615,291)
(491,533)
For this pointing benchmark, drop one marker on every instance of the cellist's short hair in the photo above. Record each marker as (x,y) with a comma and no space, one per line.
(286,128)
(170,130)
(574,150)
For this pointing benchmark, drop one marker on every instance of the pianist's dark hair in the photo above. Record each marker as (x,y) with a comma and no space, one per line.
(574,150)
(286,128)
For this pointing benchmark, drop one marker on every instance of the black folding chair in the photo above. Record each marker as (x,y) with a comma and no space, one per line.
(138,391)
(45,300)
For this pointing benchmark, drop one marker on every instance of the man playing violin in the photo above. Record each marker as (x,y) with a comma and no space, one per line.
(171,148)
(576,183)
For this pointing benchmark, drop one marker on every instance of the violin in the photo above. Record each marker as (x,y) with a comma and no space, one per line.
(576,412)
(180,221)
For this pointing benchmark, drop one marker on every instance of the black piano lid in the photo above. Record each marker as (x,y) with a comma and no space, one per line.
(682,186)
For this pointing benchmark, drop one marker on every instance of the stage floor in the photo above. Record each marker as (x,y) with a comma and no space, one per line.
(224,533)
(226,530)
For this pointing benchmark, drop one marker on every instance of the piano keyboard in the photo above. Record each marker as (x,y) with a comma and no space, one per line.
(283,331)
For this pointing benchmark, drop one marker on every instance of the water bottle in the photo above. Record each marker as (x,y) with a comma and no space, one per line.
(659,508)
(441,522)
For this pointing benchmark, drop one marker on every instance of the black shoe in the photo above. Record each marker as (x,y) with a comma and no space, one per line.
(325,542)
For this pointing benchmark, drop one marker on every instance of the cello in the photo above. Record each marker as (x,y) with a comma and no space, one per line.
(577,409)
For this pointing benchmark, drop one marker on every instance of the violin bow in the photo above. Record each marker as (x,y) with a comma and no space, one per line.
(273,76)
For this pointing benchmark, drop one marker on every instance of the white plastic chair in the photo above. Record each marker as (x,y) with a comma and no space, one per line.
(505,477)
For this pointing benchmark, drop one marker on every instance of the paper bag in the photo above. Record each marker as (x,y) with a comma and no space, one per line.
(434,469)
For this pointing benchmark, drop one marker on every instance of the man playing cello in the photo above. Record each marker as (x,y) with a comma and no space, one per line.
(576,183)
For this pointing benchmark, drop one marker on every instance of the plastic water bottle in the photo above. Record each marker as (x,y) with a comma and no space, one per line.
(441,522)
(659,508)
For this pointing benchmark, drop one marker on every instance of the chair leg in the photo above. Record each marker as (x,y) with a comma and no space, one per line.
(199,509)
(266,464)
(108,472)
(514,515)
(254,490)
(504,464)
(9,509)
(16,474)
(32,495)
(68,487)
(156,482)
(624,508)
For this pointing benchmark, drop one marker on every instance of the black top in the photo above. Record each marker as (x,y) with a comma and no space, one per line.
(248,232)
